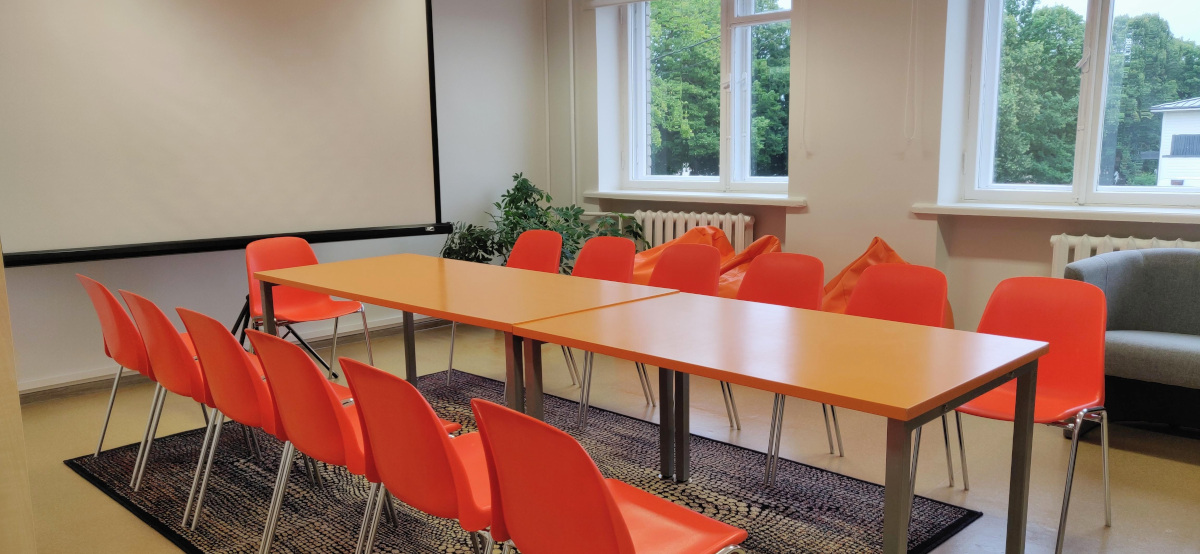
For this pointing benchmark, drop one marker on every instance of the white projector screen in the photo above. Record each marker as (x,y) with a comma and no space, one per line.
(133,122)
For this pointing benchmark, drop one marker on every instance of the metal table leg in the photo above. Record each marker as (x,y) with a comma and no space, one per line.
(515,392)
(683,428)
(268,307)
(897,502)
(410,349)
(666,423)
(533,379)
(1022,450)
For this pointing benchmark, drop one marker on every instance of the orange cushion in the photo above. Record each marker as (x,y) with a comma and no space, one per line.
(644,262)
(734,270)
(839,289)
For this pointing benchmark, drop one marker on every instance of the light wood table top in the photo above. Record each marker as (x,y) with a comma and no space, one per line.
(475,294)
(895,370)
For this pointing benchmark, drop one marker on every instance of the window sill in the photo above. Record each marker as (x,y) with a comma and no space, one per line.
(1043,211)
(740,198)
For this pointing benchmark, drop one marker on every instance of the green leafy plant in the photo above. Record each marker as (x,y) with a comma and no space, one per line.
(524,207)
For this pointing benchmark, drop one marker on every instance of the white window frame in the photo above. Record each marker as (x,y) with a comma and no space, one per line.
(979,141)
(734,174)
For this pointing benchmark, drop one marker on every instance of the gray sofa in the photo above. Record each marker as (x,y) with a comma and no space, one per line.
(1152,347)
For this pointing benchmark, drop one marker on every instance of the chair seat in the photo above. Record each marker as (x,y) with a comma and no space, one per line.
(318,309)
(663,527)
(478,515)
(1051,406)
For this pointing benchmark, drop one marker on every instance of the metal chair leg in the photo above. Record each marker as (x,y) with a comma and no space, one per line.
(450,365)
(645,373)
(374,520)
(962,450)
(389,509)
(204,412)
(219,420)
(725,397)
(642,378)
(946,439)
(1062,518)
(141,471)
(281,479)
(837,430)
(366,522)
(367,337)
(828,428)
(569,360)
(1104,452)
(187,508)
(333,347)
(112,397)
(774,439)
(137,461)
(737,420)
(585,394)
(912,474)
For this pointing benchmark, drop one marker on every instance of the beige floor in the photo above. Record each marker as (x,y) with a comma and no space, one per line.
(1155,477)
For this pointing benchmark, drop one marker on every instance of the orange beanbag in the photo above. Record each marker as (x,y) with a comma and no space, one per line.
(734,270)
(644,262)
(839,289)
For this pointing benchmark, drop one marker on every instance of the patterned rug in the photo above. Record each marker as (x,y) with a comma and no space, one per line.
(808,510)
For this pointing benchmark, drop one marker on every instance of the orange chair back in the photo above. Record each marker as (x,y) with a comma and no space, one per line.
(900,292)
(310,413)
(786,279)
(233,381)
(536,250)
(278,253)
(1070,315)
(411,451)
(122,342)
(606,258)
(170,359)
(693,268)
(553,497)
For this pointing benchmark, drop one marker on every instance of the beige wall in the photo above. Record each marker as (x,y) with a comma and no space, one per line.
(16,507)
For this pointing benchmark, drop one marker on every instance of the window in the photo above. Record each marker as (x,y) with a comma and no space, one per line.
(1087,102)
(708,88)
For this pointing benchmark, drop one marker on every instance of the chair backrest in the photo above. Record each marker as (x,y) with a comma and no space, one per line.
(170,359)
(410,449)
(311,415)
(1154,289)
(536,250)
(693,268)
(1068,314)
(231,377)
(122,341)
(786,279)
(607,258)
(552,497)
(900,292)
(278,253)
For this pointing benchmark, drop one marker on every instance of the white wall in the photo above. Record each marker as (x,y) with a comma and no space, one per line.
(491,92)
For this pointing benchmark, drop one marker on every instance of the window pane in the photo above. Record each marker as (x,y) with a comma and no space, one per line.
(684,67)
(771,63)
(1152,102)
(749,7)
(1039,93)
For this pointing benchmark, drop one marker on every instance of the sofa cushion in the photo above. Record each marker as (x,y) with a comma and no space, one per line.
(1166,358)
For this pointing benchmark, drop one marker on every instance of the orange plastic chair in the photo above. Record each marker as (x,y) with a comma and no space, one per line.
(122,342)
(416,461)
(536,250)
(792,280)
(551,497)
(1072,317)
(294,305)
(236,384)
(173,362)
(695,269)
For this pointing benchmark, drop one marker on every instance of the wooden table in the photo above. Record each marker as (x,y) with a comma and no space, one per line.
(908,374)
(476,294)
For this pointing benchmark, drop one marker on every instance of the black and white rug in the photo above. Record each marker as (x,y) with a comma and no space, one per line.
(808,510)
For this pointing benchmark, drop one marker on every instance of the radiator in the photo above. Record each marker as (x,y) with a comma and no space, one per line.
(1069,248)
(660,227)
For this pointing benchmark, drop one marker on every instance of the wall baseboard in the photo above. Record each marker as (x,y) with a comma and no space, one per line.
(82,382)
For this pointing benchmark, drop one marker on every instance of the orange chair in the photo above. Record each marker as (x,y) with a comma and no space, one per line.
(236,383)
(536,250)
(416,461)
(903,293)
(311,419)
(549,497)
(793,280)
(606,259)
(175,369)
(695,269)
(122,342)
(294,305)
(1071,316)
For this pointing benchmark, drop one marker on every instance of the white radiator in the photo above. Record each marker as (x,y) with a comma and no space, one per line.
(660,227)
(1069,248)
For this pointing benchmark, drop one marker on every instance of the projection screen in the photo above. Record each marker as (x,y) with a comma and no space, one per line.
(141,122)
